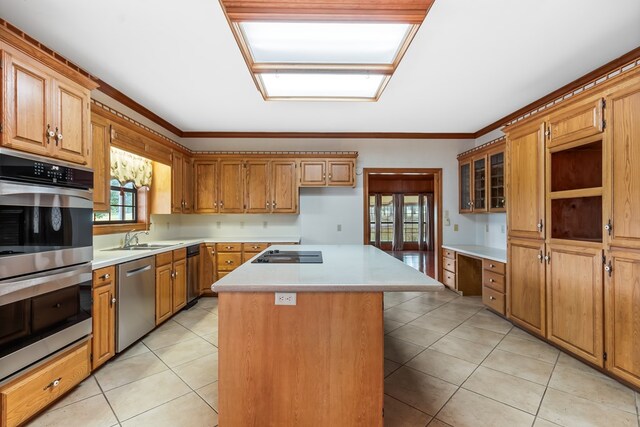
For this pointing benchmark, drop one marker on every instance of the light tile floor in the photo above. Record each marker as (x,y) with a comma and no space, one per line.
(448,362)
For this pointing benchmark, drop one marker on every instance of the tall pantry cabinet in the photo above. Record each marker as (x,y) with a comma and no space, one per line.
(573,185)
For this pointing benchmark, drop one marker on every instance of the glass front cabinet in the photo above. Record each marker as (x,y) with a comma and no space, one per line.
(481,178)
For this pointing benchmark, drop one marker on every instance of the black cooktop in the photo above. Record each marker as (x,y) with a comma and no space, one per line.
(289,257)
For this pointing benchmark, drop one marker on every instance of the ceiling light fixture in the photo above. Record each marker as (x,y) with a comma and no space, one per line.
(324,49)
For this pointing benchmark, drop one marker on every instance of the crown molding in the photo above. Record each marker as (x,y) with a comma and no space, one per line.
(334,135)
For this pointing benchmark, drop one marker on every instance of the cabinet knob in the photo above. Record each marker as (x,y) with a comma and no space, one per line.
(229,262)
(492,298)
(49,133)
(58,136)
(492,266)
(54,383)
(491,280)
(228,247)
(105,276)
(113,300)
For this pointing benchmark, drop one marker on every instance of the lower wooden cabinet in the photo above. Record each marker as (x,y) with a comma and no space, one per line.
(179,283)
(574,300)
(171,283)
(526,284)
(30,393)
(164,302)
(207,268)
(103,316)
(622,315)
(493,286)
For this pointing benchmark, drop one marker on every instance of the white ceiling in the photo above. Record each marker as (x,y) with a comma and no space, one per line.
(471,63)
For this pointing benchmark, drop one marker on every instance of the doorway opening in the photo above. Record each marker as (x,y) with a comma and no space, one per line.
(402,208)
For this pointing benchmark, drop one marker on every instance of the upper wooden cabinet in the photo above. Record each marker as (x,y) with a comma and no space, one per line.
(525,182)
(284,188)
(231,186)
(44,112)
(341,173)
(313,173)
(101,148)
(177,185)
(481,179)
(257,187)
(187,185)
(330,172)
(206,186)
(582,120)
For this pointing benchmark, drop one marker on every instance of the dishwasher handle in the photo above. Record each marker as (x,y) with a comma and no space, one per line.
(138,270)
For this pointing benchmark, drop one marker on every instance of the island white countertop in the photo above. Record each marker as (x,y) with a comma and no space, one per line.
(493,254)
(345,268)
(105,258)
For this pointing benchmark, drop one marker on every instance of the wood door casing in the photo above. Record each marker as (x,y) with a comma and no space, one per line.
(101,150)
(257,192)
(525,182)
(622,200)
(179,297)
(340,173)
(574,300)
(284,190)
(526,284)
(71,118)
(231,186)
(313,173)
(206,186)
(164,302)
(622,316)
(177,185)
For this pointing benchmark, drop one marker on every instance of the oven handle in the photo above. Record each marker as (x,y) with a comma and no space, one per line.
(20,288)
(14,189)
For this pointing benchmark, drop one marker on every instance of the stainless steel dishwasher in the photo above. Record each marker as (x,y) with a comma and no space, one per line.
(136,301)
(193,274)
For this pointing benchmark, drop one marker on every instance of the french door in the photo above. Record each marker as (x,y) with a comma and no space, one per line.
(401,221)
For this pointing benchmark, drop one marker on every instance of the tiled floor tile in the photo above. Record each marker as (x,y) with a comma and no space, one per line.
(390,366)
(442,296)
(469,301)
(199,372)
(191,315)
(597,388)
(443,366)
(437,423)
(521,366)
(137,397)
(134,350)
(120,372)
(419,307)
(169,336)
(184,352)
(449,312)
(189,410)
(477,335)
(211,338)
(208,324)
(419,390)
(396,314)
(541,422)
(436,324)
(400,351)
(513,391)
(394,298)
(566,361)
(462,349)
(416,335)
(398,414)
(210,394)
(492,322)
(87,388)
(91,412)
(536,349)
(468,409)
(390,325)
(567,410)
(519,333)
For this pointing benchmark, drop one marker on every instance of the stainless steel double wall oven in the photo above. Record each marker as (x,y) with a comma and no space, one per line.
(46,248)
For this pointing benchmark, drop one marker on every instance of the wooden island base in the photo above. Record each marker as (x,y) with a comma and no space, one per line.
(318,363)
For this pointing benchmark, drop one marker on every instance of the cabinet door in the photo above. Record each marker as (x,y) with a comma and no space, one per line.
(27,107)
(256,191)
(101,149)
(206,186)
(341,173)
(525,182)
(164,303)
(313,173)
(497,198)
(187,185)
(177,178)
(284,187)
(231,186)
(574,300)
(526,284)
(579,121)
(207,268)
(103,318)
(479,202)
(623,143)
(71,118)
(465,187)
(179,284)
(622,316)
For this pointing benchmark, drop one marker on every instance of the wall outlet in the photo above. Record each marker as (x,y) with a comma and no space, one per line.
(455,227)
(285,298)
(339,227)
(447,222)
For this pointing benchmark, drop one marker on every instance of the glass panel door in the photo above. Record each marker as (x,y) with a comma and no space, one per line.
(465,187)
(479,184)
(497,198)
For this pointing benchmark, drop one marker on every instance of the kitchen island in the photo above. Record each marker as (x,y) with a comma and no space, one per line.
(316,363)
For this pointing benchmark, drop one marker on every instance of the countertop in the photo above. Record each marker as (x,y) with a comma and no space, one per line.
(105,258)
(493,254)
(345,268)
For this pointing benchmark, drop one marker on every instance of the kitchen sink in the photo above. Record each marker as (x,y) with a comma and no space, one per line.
(141,247)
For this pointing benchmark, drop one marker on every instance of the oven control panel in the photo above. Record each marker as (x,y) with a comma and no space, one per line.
(26,168)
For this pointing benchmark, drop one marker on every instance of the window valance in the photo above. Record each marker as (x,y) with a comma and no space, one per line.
(129,167)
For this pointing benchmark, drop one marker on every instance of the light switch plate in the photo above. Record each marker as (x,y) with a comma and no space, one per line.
(285,298)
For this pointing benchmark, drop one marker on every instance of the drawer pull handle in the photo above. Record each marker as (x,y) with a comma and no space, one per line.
(492,298)
(491,280)
(105,276)
(255,247)
(492,266)
(228,247)
(228,262)
(54,383)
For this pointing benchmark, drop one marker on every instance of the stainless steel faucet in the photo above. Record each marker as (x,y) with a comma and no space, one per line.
(128,238)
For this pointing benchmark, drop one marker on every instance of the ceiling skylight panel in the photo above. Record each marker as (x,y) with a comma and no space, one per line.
(322,85)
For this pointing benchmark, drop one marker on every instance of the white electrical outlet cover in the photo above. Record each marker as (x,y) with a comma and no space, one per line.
(285,298)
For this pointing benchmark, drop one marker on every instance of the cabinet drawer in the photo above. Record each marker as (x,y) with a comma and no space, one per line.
(229,247)
(495,266)
(246,256)
(104,276)
(228,261)
(449,264)
(448,253)
(254,247)
(222,274)
(32,392)
(493,280)
(493,299)
(449,279)
(164,258)
(179,254)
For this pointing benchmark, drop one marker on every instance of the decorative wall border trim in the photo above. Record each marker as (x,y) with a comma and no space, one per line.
(484,146)
(267,153)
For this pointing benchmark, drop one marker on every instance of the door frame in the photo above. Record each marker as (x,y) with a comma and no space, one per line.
(437,199)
